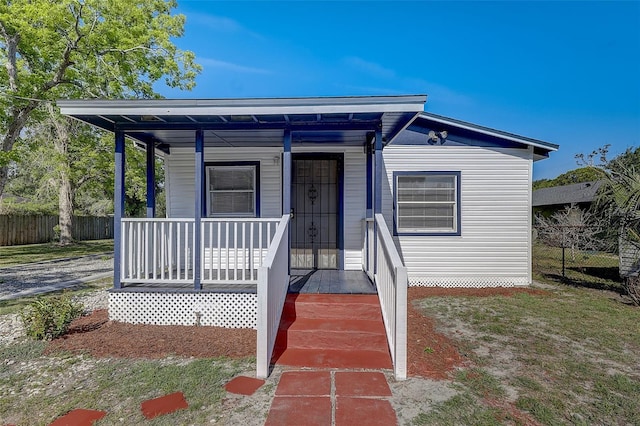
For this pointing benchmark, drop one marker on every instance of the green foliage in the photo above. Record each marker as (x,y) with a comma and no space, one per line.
(48,318)
(10,205)
(579,175)
(90,161)
(93,48)
(83,49)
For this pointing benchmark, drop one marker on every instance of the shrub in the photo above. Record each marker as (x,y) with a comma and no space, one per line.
(49,318)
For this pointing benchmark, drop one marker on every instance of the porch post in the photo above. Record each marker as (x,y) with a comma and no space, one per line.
(369,190)
(286,186)
(197,238)
(118,207)
(377,193)
(286,173)
(151,180)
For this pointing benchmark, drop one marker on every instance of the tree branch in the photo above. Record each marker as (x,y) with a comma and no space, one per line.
(12,48)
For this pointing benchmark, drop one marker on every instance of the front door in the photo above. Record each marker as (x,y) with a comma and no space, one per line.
(315,188)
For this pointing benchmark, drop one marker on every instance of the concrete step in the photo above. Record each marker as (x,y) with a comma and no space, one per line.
(332,358)
(341,334)
(332,306)
(332,331)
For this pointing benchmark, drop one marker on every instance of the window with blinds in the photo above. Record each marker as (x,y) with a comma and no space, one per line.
(427,202)
(232,191)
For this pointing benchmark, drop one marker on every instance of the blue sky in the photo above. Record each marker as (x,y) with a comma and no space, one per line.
(563,72)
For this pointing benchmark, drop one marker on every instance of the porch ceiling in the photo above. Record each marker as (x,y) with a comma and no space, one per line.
(251,122)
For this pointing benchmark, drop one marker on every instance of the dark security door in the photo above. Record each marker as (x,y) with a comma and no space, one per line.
(314,197)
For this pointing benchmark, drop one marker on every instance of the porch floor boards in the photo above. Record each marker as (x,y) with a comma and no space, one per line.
(303,281)
(329,281)
(187,287)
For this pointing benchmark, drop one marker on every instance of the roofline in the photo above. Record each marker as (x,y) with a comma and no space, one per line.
(244,106)
(490,132)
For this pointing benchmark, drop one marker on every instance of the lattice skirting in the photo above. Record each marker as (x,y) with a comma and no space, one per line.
(474,282)
(230,310)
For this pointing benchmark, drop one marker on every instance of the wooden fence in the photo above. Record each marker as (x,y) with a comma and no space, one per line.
(33,229)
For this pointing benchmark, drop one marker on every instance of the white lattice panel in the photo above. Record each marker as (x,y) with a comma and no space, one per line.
(230,310)
(474,282)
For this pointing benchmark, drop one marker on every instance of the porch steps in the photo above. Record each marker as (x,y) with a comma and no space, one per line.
(332,331)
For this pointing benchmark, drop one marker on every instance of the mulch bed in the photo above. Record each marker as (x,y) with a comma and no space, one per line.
(430,354)
(96,335)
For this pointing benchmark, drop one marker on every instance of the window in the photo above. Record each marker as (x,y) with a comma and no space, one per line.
(232,189)
(427,203)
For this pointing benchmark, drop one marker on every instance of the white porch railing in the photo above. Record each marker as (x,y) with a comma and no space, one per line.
(273,283)
(391,280)
(233,249)
(156,250)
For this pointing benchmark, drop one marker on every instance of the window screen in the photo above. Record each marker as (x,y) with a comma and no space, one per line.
(232,191)
(427,202)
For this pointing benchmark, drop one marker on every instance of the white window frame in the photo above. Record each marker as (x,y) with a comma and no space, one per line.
(209,192)
(455,230)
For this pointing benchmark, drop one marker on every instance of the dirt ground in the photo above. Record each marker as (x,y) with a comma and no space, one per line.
(430,354)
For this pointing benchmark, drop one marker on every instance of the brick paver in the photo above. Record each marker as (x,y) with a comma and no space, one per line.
(332,398)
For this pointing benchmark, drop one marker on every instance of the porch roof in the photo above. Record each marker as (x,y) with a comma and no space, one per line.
(251,121)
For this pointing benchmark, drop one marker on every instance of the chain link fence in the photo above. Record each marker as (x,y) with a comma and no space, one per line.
(579,255)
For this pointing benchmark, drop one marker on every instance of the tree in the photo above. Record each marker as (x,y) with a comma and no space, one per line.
(83,48)
(579,175)
(619,202)
(572,228)
(71,164)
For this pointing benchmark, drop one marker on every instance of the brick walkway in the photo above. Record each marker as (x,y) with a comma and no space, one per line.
(333,398)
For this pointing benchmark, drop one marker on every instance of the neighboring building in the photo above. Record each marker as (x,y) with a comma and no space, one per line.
(371,184)
(550,200)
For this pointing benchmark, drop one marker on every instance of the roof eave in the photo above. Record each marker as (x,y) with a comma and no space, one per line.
(547,146)
(245,106)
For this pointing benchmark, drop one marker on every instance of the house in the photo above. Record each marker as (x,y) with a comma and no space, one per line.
(550,200)
(257,188)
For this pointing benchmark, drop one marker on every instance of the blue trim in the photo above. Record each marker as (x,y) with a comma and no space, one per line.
(287,168)
(340,224)
(151,180)
(458,230)
(199,189)
(286,173)
(363,125)
(340,218)
(369,191)
(462,136)
(256,164)
(118,207)
(377,193)
(476,130)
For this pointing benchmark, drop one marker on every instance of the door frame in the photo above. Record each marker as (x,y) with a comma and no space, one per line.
(339,156)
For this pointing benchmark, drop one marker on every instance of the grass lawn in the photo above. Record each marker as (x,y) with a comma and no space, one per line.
(570,357)
(586,269)
(36,389)
(18,255)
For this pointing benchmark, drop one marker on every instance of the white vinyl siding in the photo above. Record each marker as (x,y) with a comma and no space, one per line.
(180,177)
(493,245)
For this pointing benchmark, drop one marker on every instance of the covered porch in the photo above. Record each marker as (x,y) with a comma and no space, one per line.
(235,269)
